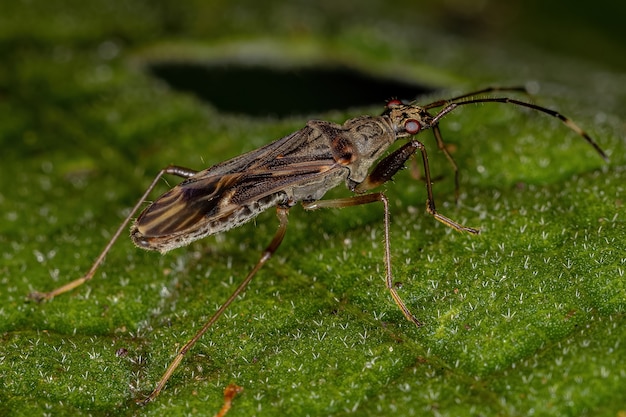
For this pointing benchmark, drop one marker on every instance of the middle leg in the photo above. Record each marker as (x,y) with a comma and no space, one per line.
(366,199)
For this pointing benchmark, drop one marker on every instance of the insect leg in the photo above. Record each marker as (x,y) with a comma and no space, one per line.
(430,202)
(173,170)
(267,254)
(365,199)
(391,164)
(442,147)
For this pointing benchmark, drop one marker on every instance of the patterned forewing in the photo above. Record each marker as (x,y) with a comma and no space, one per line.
(240,187)
(185,206)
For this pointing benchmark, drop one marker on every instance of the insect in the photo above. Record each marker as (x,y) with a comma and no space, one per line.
(299,168)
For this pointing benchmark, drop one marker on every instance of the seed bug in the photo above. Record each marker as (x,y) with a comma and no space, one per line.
(299,168)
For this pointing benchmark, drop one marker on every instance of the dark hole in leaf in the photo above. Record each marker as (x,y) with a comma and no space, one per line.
(263,91)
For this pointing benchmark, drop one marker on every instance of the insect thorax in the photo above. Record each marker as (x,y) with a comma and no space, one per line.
(370,137)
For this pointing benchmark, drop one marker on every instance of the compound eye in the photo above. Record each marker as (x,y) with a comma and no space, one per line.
(412,126)
(394,102)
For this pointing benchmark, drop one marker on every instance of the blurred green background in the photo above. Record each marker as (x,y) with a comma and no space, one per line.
(525,319)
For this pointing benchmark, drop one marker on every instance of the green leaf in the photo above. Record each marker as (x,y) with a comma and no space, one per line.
(527,317)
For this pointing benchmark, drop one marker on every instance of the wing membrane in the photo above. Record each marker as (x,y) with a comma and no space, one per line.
(184,206)
(202,200)
(230,193)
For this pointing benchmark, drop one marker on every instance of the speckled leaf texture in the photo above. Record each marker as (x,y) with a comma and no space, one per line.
(526,318)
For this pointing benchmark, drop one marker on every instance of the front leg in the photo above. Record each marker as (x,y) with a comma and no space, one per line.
(391,164)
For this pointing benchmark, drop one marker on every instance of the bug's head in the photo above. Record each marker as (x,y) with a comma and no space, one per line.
(407,119)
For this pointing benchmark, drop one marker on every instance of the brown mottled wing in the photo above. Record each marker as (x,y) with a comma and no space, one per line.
(210,205)
(184,206)
(241,187)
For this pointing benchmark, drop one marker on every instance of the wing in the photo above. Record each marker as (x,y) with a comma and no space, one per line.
(185,205)
(205,205)
(293,143)
(297,167)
